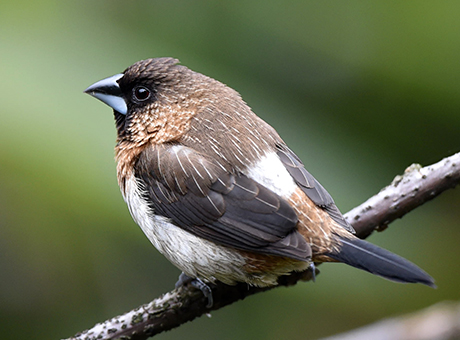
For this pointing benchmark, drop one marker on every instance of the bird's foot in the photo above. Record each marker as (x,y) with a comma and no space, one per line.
(198,284)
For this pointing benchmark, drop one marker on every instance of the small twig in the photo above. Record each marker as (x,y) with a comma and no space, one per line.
(415,187)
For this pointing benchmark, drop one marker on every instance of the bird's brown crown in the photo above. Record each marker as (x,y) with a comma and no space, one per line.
(161,97)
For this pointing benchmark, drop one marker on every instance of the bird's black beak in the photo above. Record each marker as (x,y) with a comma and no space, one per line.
(108,91)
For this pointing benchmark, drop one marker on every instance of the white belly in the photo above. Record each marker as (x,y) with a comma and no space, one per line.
(195,256)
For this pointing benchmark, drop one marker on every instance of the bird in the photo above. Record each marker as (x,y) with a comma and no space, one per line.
(217,191)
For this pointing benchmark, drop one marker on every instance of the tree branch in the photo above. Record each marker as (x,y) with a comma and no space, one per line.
(440,321)
(408,191)
(416,186)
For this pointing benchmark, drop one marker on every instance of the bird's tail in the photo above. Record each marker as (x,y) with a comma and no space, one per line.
(364,255)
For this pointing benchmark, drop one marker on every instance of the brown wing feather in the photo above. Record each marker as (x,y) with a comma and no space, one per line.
(203,198)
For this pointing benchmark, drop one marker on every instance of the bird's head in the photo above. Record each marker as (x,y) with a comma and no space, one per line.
(153,100)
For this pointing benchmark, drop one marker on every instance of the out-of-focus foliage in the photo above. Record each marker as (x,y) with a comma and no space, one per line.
(359,90)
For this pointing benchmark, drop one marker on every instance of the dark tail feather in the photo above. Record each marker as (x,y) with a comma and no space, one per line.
(378,261)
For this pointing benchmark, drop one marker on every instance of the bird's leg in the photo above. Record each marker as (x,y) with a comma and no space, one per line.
(198,284)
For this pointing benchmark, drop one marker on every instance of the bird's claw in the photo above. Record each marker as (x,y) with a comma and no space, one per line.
(198,284)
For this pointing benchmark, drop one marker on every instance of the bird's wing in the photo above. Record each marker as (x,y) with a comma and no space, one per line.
(310,186)
(202,197)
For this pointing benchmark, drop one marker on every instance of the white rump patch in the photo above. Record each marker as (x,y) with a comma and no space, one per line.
(271,173)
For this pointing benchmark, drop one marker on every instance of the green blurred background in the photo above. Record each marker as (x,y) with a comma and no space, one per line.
(360,90)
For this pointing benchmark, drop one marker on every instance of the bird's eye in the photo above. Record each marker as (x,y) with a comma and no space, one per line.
(141,93)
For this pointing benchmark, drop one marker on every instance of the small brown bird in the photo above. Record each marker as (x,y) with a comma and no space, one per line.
(215,188)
